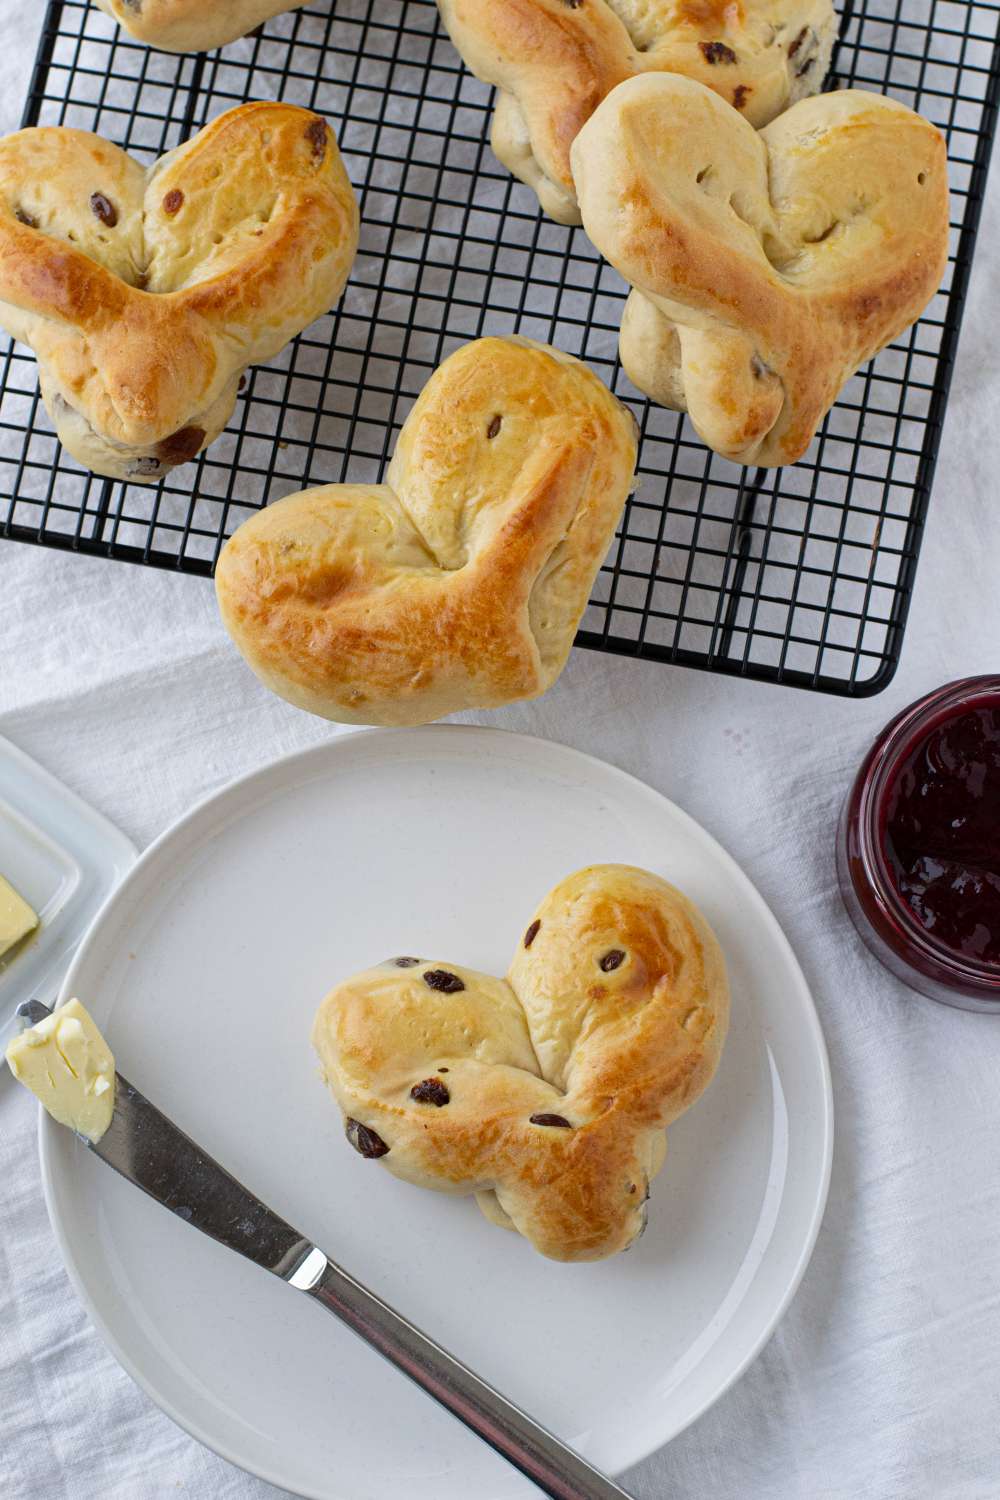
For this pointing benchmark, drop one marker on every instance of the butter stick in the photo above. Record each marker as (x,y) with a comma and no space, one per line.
(16,917)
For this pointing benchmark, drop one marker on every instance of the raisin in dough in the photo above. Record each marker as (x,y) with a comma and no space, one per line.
(192,25)
(553,61)
(766,268)
(546,1094)
(145,294)
(460,581)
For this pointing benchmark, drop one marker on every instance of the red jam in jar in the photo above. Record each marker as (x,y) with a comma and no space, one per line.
(919,847)
(941,837)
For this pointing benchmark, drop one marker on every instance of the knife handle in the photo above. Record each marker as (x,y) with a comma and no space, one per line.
(548,1463)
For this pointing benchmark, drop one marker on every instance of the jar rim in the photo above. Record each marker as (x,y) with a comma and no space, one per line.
(896,740)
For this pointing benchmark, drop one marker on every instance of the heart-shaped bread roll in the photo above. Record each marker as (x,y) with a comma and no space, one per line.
(546,1094)
(145,294)
(553,61)
(460,581)
(192,25)
(766,267)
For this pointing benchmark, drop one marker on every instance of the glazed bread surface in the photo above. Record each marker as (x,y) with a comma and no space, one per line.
(547,1094)
(553,61)
(766,267)
(460,581)
(145,294)
(192,25)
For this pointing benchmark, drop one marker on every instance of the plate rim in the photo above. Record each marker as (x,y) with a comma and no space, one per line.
(50,1134)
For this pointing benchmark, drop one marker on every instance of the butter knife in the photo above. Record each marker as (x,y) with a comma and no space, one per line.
(151,1151)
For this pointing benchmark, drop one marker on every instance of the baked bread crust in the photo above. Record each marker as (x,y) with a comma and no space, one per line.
(611,1022)
(192,25)
(145,294)
(553,61)
(460,581)
(766,267)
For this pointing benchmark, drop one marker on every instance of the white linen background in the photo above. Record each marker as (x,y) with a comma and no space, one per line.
(883,1380)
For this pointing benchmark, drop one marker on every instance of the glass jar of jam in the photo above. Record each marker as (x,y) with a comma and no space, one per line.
(918,851)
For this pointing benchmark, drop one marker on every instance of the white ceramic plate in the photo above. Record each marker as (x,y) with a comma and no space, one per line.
(64,858)
(205,970)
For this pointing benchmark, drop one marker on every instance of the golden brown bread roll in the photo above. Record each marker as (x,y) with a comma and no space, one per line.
(460,581)
(192,25)
(766,267)
(553,61)
(145,294)
(546,1094)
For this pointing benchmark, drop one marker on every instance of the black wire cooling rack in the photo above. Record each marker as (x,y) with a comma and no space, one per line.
(801,575)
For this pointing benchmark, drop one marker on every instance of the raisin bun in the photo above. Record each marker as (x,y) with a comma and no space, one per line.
(553,61)
(546,1094)
(767,267)
(146,293)
(192,25)
(460,581)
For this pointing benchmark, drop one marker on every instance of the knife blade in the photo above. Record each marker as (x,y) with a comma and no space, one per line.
(147,1148)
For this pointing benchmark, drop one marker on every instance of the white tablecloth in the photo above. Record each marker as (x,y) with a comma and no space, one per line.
(883,1380)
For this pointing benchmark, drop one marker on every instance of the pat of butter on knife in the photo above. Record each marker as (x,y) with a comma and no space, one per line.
(16,917)
(68,1066)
